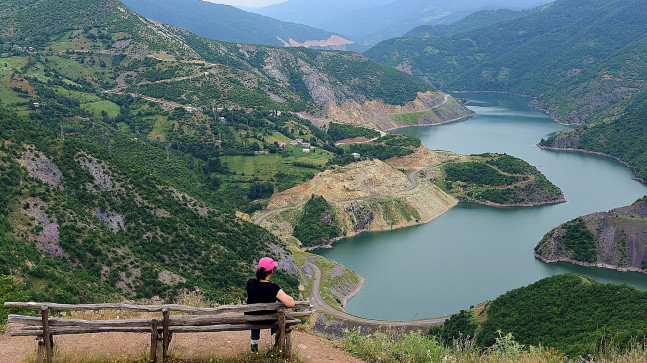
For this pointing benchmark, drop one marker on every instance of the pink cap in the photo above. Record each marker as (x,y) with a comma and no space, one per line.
(267,263)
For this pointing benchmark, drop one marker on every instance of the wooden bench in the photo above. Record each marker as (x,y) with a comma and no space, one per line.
(221,318)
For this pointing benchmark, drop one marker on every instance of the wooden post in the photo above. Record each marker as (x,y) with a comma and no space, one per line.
(281,333)
(47,338)
(40,358)
(165,333)
(160,348)
(288,344)
(154,341)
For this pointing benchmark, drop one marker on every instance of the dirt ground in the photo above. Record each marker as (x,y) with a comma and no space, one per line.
(310,348)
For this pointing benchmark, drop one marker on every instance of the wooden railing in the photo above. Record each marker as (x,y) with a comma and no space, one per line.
(221,318)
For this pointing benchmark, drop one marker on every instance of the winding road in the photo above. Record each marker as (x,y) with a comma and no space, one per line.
(322,306)
(315,296)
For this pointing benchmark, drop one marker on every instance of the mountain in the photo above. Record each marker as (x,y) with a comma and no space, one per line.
(520,55)
(371,22)
(582,61)
(224,22)
(613,239)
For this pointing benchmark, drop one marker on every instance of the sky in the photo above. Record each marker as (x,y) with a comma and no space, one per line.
(247,3)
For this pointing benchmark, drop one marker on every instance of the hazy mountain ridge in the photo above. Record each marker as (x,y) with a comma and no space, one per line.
(224,22)
(473,21)
(370,22)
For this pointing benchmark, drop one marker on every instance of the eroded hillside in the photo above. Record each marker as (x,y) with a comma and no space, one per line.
(369,195)
(613,239)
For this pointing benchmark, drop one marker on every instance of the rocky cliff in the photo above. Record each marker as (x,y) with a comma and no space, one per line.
(616,239)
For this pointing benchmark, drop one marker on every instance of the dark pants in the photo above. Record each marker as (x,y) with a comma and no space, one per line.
(256,333)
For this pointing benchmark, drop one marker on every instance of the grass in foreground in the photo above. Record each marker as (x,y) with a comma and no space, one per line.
(415,347)
(267,356)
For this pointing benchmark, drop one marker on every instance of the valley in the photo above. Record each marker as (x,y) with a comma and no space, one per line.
(151,157)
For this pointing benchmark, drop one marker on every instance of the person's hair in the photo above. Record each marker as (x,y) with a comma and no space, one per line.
(262,273)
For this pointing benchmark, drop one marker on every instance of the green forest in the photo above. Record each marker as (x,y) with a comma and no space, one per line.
(572,313)
(317,225)
(498,178)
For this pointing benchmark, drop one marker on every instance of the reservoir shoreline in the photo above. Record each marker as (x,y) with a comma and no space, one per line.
(629,166)
(474,253)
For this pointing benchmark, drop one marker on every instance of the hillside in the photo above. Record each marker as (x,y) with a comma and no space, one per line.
(592,317)
(364,196)
(220,103)
(624,138)
(69,206)
(224,22)
(473,21)
(613,239)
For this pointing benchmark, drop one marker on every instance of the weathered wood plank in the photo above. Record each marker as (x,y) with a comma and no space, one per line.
(32,322)
(156,308)
(178,329)
(281,333)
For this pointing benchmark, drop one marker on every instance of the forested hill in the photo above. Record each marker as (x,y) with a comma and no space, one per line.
(624,138)
(571,313)
(225,22)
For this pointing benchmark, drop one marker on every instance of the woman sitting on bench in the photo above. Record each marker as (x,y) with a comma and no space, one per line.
(261,290)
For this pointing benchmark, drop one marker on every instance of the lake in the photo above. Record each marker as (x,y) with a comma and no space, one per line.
(475,253)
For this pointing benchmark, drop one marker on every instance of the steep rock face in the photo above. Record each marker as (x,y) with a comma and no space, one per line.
(620,237)
(428,108)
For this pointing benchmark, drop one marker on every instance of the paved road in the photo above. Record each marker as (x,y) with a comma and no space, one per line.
(322,306)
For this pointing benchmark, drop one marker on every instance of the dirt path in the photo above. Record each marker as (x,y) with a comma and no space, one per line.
(308,347)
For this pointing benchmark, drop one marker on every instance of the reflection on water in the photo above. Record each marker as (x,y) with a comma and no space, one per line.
(474,253)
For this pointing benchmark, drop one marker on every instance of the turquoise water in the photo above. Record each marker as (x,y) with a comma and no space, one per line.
(475,253)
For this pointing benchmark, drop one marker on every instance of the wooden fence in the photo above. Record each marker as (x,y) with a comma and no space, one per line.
(221,318)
